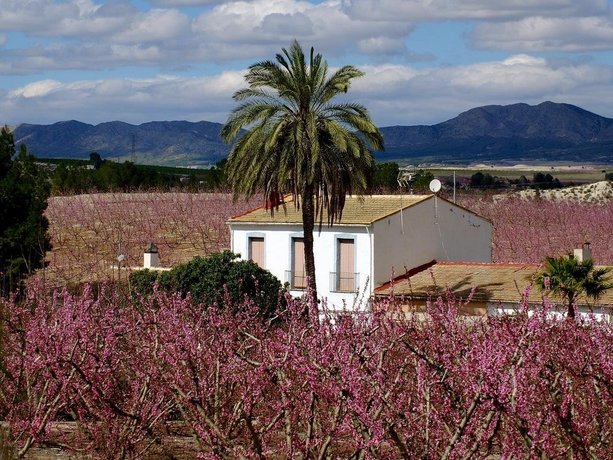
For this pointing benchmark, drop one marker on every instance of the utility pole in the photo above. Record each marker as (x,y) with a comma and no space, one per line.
(133,157)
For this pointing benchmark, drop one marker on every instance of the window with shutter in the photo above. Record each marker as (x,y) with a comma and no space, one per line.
(256,250)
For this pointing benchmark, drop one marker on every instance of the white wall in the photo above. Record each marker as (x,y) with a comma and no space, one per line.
(461,235)
(429,230)
(584,313)
(277,255)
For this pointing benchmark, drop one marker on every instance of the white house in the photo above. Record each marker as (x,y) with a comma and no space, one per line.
(377,238)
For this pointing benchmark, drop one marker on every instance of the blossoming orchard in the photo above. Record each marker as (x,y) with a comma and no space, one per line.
(133,377)
(98,372)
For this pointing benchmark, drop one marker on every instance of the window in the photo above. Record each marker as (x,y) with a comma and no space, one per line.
(298,278)
(346,265)
(256,250)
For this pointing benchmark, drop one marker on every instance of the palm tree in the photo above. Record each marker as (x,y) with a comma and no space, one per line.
(568,278)
(298,141)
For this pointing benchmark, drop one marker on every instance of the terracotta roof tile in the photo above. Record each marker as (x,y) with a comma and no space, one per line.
(487,281)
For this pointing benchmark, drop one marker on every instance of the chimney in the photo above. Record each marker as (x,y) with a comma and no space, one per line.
(151,256)
(583,253)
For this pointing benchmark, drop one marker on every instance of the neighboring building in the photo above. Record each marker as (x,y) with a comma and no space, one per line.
(377,238)
(481,289)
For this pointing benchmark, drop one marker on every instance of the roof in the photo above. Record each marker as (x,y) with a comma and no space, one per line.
(488,282)
(357,211)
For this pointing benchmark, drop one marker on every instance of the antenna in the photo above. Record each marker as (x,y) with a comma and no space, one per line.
(406,176)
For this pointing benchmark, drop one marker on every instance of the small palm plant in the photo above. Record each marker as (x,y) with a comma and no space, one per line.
(568,278)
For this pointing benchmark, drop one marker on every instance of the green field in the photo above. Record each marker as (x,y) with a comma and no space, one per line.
(565,174)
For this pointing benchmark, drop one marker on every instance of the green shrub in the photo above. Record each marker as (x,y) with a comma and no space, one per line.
(142,281)
(215,279)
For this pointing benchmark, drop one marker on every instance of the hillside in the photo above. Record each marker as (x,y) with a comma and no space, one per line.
(159,142)
(518,132)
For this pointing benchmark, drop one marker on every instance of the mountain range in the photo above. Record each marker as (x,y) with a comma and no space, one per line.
(512,133)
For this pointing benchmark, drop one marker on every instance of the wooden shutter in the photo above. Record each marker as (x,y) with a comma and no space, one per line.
(298,275)
(256,250)
(346,265)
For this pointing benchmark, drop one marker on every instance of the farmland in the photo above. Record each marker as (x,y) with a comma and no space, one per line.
(166,378)
(88,232)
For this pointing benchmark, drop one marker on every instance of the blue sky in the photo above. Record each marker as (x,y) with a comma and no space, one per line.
(425,60)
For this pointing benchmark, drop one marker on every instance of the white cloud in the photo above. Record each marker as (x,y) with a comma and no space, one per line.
(130,100)
(417,10)
(155,25)
(70,18)
(381,45)
(37,89)
(168,3)
(394,94)
(83,35)
(274,23)
(403,95)
(547,34)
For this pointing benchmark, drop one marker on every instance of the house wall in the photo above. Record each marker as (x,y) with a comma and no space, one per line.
(499,308)
(277,256)
(583,312)
(432,229)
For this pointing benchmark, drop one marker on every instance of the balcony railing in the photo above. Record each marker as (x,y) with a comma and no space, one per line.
(344,282)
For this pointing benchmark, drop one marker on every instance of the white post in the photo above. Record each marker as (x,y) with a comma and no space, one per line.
(151,257)
(583,253)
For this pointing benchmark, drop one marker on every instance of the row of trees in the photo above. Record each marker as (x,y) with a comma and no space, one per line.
(104,175)
(540,181)
(71,177)
(129,378)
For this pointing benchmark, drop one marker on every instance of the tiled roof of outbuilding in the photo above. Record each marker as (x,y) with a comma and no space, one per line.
(488,282)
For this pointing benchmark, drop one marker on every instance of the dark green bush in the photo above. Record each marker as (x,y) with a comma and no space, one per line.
(215,279)
(142,281)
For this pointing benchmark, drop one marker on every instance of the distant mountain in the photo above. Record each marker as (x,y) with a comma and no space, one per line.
(518,132)
(157,142)
(494,133)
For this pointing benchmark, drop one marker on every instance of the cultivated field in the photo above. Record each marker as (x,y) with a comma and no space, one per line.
(174,380)
(88,232)
(565,173)
(528,230)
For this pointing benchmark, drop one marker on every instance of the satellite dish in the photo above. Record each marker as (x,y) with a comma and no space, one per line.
(435,185)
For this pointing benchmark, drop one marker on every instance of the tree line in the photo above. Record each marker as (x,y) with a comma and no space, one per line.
(97,174)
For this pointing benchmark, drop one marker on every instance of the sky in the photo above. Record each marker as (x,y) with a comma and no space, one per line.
(425,61)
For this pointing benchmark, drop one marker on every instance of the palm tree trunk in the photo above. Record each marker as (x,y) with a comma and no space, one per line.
(308,223)
(571,308)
